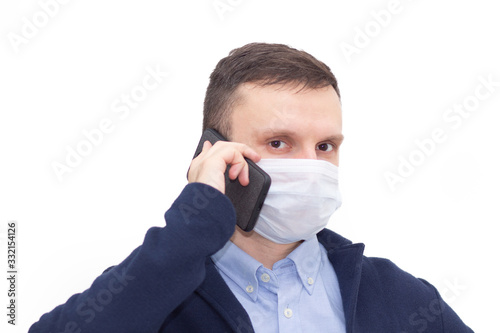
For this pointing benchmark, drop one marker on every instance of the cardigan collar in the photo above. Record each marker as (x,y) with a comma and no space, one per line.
(345,257)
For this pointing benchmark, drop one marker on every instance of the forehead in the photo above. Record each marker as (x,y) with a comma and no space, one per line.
(278,106)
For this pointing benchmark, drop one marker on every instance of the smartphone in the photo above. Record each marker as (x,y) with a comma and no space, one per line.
(247,200)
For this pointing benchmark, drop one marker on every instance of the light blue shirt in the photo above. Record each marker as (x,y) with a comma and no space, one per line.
(300,294)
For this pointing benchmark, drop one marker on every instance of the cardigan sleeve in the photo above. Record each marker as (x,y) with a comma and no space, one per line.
(392,300)
(450,321)
(138,294)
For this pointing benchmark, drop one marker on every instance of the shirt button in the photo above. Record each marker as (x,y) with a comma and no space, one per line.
(288,313)
(265,277)
(249,288)
(310,281)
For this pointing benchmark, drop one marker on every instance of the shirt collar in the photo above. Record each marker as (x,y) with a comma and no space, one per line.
(242,268)
(307,259)
(239,267)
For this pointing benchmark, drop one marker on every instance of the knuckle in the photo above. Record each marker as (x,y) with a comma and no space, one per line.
(219,144)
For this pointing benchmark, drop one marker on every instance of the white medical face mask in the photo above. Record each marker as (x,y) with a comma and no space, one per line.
(304,194)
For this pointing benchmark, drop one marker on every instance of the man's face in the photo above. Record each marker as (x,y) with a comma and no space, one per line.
(279,122)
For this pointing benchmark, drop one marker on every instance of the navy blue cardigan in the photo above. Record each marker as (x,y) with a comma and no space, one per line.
(170,284)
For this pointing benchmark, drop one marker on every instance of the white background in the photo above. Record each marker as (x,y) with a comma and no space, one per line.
(439,224)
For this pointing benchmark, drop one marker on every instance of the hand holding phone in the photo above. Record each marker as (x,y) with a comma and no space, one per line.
(226,168)
(212,160)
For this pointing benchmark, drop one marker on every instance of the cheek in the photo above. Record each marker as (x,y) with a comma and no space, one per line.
(332,159)
(336,159)
(264,152)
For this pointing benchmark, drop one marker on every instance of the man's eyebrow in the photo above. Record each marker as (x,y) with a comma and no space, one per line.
(286,133)
(339,138)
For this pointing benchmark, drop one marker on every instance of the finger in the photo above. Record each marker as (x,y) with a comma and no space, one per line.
(239,166)
(250,154)
(230,157)
(206,146)
(237,170)
(244,175)
(240,171)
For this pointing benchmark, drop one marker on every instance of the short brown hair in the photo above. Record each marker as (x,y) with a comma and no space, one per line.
(261,63)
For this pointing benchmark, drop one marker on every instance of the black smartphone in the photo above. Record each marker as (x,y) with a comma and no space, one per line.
(247,200)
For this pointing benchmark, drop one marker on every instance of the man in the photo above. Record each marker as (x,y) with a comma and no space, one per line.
(279,107)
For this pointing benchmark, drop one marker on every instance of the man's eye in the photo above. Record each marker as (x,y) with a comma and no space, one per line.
(325,147)
(276,144)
